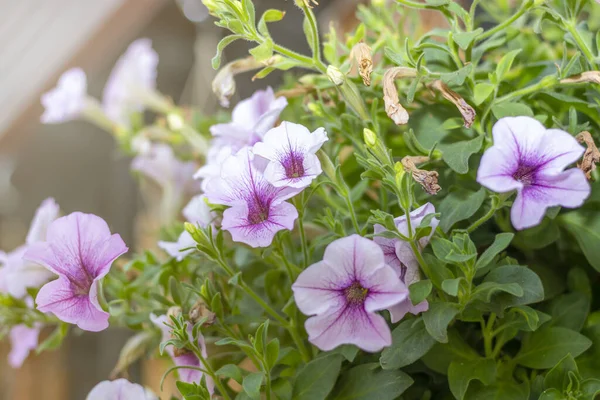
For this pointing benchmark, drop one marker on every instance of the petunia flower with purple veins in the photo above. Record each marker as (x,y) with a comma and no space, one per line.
(196,212)
(290,150)
(67,100)
(120,389)
(399,255)
(343,292)
(80,249)
(185,358)
(132,82)
(258,209)
(531,159)
(250,120)
(17,274)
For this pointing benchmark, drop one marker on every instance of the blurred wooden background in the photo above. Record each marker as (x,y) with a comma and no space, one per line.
(76,163)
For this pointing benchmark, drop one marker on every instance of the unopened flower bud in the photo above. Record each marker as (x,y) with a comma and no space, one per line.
(370,138)
(393,108)
(315,109)
(335,75)
(467,112)
(361,54)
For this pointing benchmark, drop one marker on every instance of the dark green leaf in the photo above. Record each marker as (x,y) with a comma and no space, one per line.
(437,319)
(316,379)
(459,205)
(570,310)
(457,155)
(461,373)
(451,286)
(501,242)
(544,348)
(441,355)
(252,384)
(486,290)
(365,382)
(410,341)
(272,352)
(230,371)
(585,227)
(558,377)
(500,391)
(419,291)
(533,291)
(511,109)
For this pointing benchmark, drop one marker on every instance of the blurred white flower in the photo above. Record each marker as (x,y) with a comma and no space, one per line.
(67,100)
(193,10)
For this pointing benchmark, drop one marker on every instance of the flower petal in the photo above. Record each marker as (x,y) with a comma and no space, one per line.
(318,288)
(349,325)
(398,311)
(120,389)
(519,137)
(198,212)
(496,169)
(385,288)
(60,297)
(358,256)
(44,216)
(23,339)
(559,150)
(180,249)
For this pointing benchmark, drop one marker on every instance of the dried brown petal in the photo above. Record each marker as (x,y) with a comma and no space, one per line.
(199,311)
(393,108)
(361,54)
(468,113)
(427,179)
(591,156)
(223,85)
(584,77)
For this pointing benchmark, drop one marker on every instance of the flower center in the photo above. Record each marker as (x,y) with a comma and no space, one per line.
(258,211)
(293,165)
(525,174)
(403,269)
(355,293)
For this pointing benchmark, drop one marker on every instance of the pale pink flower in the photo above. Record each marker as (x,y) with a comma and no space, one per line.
(399,255)
(80,249)
(343,292)
(23,340)
(531,159)
(120,389)
(67,100)
(291,153)
(214,161)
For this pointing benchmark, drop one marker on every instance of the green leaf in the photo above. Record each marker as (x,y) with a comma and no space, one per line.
(533,291)
(481,92)
(419,291)
(272,352)
(510,109)
(486,290)
(464,39)
(458,77)
(461,373)
(558,377)
(500,391)
(270,15)
(316,379)
(570,310)
(442,355)
(410,342)
(501,242)
(175,290)
(457,155)
(590,388)
(544,348)
(505,63)
(252,384)
(585,227)
(349,351)
(263,51)
(365,382)
(552,394)
(459,205)
(437,319)
(226,41)
(230,371)
(55,339)
(451,286)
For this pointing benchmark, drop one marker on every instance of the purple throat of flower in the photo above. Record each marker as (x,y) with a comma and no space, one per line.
(355,294)
(258,210)
(82,287)
(293,163)
(525,173)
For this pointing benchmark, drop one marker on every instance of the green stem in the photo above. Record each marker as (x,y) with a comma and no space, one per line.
(316,45)
(293,329)
(210,371)
(483,219)
(300,207)
(581,44)
(420,259)
(543,84)
(352,213)
(524,8)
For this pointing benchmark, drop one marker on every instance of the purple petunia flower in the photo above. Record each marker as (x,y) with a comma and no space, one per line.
(251,119)
(67,100)
(399,255)
(342,293)
(214,161)
(120,389)
(80,249)
(531,159)
(257,209)
(188,359)
(290,150)
(23,339)
(131,82)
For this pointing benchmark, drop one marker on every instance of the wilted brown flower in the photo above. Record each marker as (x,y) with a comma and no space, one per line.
(393,108)
(427,179)
(591,156)
(468,113)
(199,311)
(223,85)
(361,55)
(584,77)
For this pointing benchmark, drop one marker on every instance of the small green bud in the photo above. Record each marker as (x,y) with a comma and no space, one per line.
(193,231)
(370,138)
(335,75)
(316,109)
(175,122)
(378,3)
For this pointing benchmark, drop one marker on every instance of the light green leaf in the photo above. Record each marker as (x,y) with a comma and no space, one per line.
(226,41)
(263,51)
(459,205)
(482,92)
(501,242)
(451,286)
(230,371)
(316,379)
(270,15)
(437,319)
(461,373)
(510,109)
(457,155)
(505,63)
(457,78)
(419,291)
(585,227)
(252,384)
(410,341)
(544,348)
(365,382)
(464,39)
